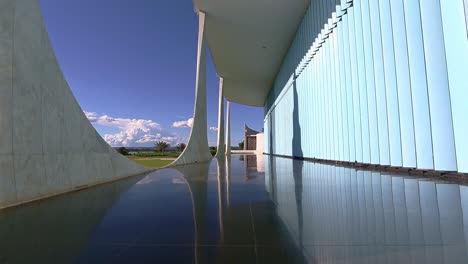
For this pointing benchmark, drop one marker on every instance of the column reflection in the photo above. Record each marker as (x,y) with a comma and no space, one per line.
(196,176)
(221,177)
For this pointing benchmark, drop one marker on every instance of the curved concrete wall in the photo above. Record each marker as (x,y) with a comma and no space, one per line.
(376,82)
(47,145)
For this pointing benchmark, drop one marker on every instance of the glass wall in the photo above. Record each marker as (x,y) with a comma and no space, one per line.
(376,82)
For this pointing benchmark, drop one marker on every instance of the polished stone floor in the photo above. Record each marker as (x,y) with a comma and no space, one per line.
(250,209)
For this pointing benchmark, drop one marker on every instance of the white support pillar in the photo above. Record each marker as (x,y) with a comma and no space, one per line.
(221,147)
(197,149)
(228,128)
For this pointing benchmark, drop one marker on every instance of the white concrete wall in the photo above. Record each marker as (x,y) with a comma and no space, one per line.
(47,145)
(260,142)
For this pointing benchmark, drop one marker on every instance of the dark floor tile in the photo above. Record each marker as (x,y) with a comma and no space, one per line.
(228,255)
(100,254)
(284,254)
(157,254)
(169,254)
(269,229)
(237,226)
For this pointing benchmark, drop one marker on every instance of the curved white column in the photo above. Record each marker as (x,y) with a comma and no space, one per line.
(197,149)
(221,147)
(47,145)
(228,128)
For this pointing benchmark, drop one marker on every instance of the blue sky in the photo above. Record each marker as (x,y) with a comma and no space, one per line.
(131,65)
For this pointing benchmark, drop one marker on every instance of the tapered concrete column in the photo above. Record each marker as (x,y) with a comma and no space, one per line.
(228,128)
(221,148)
(197,149)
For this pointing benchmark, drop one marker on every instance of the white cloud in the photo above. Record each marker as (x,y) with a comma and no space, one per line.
(133,132)
(214,129)
(183,124)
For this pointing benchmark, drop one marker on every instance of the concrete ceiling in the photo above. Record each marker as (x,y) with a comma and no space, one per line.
(248,40)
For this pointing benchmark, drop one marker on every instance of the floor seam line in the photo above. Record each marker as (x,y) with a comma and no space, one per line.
(254,233)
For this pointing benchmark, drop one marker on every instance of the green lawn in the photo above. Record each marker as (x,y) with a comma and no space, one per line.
(170,154)
(153,163)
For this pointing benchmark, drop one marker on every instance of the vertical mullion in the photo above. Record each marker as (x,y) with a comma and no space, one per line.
(321,99)
(420,100)
(364,113)
(307,99)
(329,76)
(349,90)
(332,97)
(438,87)
(315,105)
(323,103)
(370,83)
(355,86)
(324,100)
(382,114)
(305,108)
(327,99)
(403,83)
(320,96)
(456,48)
(335,96)
(344,109)
(298,107)
(339,119)
(390,84)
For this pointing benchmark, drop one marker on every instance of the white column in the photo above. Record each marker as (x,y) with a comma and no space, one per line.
(228,128)
(197,147)
(221,148)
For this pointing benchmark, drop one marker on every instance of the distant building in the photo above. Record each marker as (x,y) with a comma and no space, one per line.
(250,138)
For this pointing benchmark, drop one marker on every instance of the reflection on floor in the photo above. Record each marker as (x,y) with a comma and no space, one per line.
(249,209)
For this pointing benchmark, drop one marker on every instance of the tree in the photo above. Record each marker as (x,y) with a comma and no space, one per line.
(213,150)
(161,146)
(241,144)
(122,150)
(181,146)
